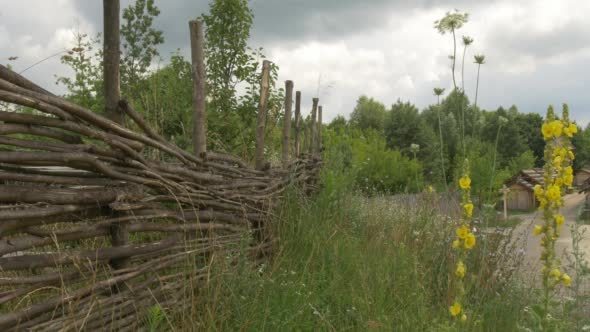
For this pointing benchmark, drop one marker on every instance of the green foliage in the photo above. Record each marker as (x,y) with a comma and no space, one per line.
(368,114)
(140,41)
(375,168)
(85,87)
(581,143)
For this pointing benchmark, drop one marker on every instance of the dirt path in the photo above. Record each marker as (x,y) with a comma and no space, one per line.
(530,243)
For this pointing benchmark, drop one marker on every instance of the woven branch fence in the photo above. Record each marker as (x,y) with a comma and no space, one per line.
(93,233)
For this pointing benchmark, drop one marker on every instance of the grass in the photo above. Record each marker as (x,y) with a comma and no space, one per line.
(348,263)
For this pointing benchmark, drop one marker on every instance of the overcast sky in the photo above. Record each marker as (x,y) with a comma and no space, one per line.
(537,51)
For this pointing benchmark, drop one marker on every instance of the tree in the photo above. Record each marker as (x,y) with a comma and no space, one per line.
(140,42)
(403,126)
(229,60)
(450,23)
(368,114)
(581,143)
(85,87)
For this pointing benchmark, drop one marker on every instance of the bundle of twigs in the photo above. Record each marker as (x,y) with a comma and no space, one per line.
(91,229)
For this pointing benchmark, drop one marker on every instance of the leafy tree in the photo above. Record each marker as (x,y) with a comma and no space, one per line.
(528,125)
(368,114)
(403,126)
(140,44)
(581,143)
(85,87)
(229,59)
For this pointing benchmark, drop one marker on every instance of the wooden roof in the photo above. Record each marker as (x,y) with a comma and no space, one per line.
(528,178)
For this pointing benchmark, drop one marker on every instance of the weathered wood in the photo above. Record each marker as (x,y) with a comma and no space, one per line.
(287,122)
(297,122)
(262,106)
(313,127)
(111,53)
(198,74)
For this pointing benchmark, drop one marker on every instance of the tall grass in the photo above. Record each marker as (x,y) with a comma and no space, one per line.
(345,262)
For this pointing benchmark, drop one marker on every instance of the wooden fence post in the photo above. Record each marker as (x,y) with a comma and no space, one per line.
(198,73)
(312,136)
(319,140)
(112,92)
(264,87)
(287,121)
(297,121)
(111,58)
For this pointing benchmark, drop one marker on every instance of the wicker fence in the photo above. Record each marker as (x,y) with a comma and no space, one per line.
(93,232)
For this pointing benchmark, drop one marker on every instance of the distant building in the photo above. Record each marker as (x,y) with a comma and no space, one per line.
(581,176)
(521,195)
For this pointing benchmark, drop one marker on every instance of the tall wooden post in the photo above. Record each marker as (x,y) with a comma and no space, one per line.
(287,121)
(111,57)
(505,192)
(198,73)
(264,87)
(112,94)
(312,134)
(319,140)
(297,121)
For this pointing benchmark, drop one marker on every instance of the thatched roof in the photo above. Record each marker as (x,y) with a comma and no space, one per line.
(527,178)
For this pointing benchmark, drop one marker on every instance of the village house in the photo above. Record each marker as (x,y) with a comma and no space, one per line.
(520,187)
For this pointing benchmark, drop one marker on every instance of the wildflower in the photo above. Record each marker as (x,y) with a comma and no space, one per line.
(456,244)
(565,278)
(465,182)
(553,193)
(463,317)
(538,230)
(555,273)
(470,241)
(571,130)
(455,309)
(468,209)
(538,191)
(568,179)
(462,232)
(460,271)
(559,219)
(552,129)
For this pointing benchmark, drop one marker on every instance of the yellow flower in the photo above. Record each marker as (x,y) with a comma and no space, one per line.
(552,129)
(464,318)
(538,230)
(547,131)
(566,279)
(555,273)
(557,162)
(460,271)
(553,193)
(571,130)
(470,241)
(462,232)
(571,155)
(456,244)
(465,182)
(538,191)
(568,179)
(559,219)
(468,210)
(430,189)
(569,170)
(455,309)
(557,127)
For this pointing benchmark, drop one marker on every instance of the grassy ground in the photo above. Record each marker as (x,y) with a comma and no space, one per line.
(348,263)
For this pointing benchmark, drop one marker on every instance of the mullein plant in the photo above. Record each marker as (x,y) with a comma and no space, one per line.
(464,242)
(558,176)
